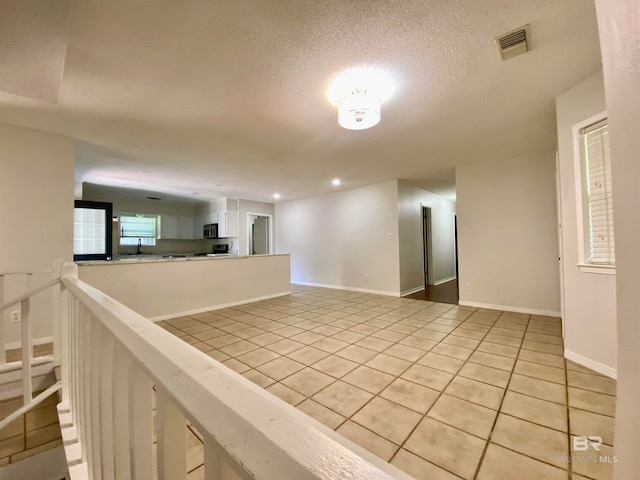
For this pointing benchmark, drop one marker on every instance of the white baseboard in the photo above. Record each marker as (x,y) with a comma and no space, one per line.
(351,289)
(413,290)
(444,280)
(35,341)
(49,465)
(592,364)
(509,308)
(159,318)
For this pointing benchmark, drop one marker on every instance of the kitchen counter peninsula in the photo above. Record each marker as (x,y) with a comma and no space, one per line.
(160,288)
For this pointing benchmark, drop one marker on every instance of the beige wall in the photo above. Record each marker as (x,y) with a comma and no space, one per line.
(589,298)
(619,24)
(410,202)
(167,289)
(340,238)
(36,211)
(507,237)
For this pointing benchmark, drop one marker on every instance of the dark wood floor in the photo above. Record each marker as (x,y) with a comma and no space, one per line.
(445,292)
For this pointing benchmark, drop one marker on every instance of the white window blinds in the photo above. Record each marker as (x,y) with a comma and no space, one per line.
(89,227)
(134,228)
(599,202)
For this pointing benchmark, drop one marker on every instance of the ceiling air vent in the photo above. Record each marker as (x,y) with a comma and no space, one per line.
(514,43)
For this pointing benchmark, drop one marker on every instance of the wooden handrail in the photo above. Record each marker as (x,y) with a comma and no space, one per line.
(34,403)
(29,294)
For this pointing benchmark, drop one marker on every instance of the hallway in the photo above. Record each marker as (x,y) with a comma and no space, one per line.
(446,292)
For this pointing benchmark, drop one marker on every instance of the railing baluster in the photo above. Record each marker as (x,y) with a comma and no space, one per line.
(211,460)
(64,336)
(95,337)
(141,425)
(56,298)
(172,438)
(218,465)
(74,357)
(85,381)
(106,404)
(121,413)
(27,349)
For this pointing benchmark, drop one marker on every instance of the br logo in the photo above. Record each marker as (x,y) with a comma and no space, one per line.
(582,444)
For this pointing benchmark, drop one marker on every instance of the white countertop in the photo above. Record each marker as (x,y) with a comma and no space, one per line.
(124,260)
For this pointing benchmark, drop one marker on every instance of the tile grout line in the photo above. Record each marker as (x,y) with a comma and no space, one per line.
(361,365)
(504,394)
(569,463)
(440,395)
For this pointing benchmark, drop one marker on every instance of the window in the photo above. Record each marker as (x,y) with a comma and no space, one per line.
(597,202)
(91,230)
(138,227)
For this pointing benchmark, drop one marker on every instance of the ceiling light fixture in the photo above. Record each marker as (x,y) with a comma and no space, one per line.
(335,182)
(359,110)
(358,93)
(276,196)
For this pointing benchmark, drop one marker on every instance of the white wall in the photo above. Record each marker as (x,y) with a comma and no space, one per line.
(619,24)
(166,289)
(339,238)
(590,299)
(507,237)
(410,202)
(248,206)
(36,209)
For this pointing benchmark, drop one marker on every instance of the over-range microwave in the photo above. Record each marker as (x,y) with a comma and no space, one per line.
(211,230)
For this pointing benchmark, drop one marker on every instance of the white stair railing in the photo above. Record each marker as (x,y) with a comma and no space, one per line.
(27,361)
(112,358)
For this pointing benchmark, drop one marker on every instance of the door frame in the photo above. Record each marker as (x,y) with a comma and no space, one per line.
(427,245)
(269,228)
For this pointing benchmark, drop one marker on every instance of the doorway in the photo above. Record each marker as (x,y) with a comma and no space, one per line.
(444,291)
(259,236)
(427,251)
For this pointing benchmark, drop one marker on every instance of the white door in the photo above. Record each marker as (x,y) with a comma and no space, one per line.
(260,235)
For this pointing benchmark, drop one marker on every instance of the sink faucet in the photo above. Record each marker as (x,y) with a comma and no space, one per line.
(139,251)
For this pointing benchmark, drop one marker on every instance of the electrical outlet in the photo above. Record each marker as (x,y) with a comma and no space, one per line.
(366,277)
(15,316)
(389,236)
(468,286)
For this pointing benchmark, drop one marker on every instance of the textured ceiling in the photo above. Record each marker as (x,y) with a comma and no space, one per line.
(227,97)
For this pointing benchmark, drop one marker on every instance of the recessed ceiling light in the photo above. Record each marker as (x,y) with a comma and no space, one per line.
(335,182)
(276,196)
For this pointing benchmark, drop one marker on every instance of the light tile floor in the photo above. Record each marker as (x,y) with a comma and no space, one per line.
(35,432)
(440,391)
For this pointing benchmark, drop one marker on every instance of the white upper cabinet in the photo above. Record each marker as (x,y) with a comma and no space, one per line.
(227,224)
(198,230)
(222,224)
(186,228)
(167,227)
(171,227)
